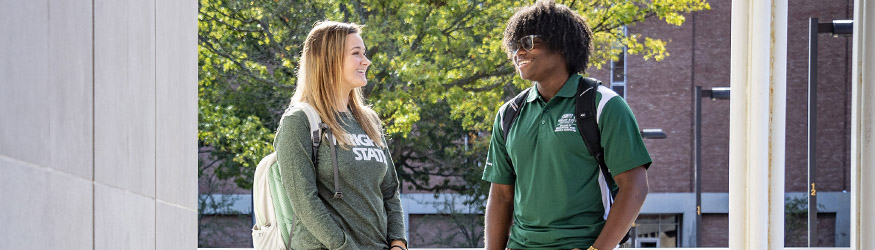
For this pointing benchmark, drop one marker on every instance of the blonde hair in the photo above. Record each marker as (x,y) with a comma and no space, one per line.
(319,76)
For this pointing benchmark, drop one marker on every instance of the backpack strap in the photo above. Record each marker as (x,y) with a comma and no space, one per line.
(316,129)
(510,110)
(587,114)
(587,124)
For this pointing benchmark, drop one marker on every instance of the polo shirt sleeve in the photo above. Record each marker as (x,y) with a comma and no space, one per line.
(623,147)
(498,165)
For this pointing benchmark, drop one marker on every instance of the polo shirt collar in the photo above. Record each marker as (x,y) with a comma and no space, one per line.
(567,90)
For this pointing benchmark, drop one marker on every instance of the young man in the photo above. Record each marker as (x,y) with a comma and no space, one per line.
(544,179)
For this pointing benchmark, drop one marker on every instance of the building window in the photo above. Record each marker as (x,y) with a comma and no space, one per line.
(618,71)
(655,231)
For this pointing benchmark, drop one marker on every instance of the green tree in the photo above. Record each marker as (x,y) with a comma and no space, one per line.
(437,78)
(427,54)
(796,220)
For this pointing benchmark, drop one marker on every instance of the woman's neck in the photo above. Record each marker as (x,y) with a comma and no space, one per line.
(342,102)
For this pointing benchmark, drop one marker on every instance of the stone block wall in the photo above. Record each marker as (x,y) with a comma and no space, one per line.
(98,124)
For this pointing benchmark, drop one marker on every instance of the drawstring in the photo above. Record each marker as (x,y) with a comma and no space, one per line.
(331,144)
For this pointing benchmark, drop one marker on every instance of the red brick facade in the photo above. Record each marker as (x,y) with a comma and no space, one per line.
(661,95)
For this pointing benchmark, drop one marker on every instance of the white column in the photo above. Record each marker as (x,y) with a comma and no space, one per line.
(778,113)
(757,124)
(862,120)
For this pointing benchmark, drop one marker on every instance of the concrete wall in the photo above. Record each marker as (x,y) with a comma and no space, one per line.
(98,123)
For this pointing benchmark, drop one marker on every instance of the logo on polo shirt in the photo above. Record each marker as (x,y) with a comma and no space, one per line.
(566,124)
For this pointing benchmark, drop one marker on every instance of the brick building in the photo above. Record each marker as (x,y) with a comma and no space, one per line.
(662,96)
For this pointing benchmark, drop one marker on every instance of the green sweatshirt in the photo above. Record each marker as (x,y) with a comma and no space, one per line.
(368,216)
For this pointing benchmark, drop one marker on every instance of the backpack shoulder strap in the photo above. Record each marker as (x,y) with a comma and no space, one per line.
(315,127)
(587,122)
(587,114)
(510,110)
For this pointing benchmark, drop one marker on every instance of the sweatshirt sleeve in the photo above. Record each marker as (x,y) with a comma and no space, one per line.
(392,201)
(294,150)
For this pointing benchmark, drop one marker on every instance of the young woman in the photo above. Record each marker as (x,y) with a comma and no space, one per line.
(368,215)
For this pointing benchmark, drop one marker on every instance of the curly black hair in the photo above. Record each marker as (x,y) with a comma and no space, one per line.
(564,31)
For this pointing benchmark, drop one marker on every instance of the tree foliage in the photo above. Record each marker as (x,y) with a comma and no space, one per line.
(437,78)
(796,221)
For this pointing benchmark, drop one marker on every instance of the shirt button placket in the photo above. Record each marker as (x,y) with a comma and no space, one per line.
(543,114)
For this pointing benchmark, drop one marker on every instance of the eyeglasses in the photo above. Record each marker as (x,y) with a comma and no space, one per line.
(527,43)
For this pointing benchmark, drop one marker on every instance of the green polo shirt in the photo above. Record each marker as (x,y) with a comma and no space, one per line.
(557,199)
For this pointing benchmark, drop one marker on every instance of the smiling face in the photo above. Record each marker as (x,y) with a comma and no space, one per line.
(355,64)
(561,29)
(539,63)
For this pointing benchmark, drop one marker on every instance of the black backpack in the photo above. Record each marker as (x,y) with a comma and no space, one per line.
(587,125)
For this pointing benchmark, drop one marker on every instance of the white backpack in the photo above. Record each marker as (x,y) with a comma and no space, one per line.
(266,234)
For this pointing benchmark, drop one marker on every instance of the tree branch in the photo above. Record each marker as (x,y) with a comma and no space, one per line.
(460,19)
(500,71)
(231,27)
(209,46)
(421,33)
